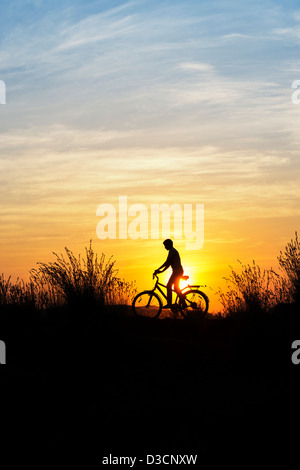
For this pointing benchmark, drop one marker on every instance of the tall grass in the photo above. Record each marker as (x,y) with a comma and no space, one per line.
(289,261)
(17,293)
(30,294)
(253,290)
(85,280)
(69,280)
(259,291)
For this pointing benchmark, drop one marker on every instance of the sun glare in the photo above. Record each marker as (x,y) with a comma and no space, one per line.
(188,271)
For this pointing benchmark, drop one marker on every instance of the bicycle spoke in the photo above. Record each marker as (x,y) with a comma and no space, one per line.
(196,304)
(147,304)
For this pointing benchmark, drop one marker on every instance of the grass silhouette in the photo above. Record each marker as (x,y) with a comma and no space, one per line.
(255,291)
(289,262)
(85,280)
(69,280)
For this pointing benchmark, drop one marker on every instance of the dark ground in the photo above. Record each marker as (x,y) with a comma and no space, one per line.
(75,391)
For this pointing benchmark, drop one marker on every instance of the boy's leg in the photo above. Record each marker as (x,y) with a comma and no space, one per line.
(169,289)
(177,287)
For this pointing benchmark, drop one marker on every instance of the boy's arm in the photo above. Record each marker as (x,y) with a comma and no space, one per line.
(163,267)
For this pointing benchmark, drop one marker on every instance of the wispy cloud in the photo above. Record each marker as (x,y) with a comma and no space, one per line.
(292,33)
(236,35)
(197,66)
(94,29)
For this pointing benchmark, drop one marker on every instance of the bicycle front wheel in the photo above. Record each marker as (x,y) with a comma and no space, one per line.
(147,304)
(196,304)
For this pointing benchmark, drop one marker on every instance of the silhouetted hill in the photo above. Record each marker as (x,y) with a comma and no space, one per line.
(130,386)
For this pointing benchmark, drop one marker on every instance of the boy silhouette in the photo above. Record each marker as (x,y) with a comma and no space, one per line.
(174,261)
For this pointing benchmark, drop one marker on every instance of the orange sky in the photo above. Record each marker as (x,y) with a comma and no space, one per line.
(226,240)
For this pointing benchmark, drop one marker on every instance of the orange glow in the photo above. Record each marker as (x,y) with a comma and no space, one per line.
(137,259)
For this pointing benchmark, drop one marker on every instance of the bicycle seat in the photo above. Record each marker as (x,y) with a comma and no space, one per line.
(184,278)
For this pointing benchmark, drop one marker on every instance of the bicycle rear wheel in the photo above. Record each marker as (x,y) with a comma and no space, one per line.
(147,304)
(196,304)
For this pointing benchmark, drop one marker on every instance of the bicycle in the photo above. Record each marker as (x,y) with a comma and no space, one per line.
(193,304)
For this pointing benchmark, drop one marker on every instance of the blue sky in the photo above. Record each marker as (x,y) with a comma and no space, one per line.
(110,64)
(163,101)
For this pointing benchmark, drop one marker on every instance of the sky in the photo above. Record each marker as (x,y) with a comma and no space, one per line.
(185,102)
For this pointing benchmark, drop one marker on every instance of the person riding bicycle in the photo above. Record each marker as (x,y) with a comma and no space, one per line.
(174,261)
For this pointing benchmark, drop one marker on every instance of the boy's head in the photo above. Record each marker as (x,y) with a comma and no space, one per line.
(168,244)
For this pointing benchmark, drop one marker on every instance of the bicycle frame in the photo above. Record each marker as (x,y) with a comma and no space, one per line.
(157,284)
(156,287)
